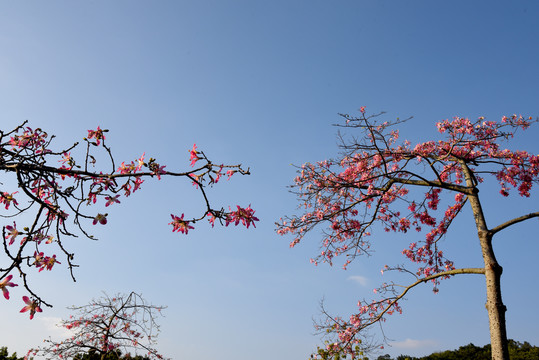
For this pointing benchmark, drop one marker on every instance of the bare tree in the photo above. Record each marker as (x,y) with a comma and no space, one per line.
(109,327)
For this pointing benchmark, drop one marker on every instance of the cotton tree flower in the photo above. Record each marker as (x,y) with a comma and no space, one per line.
(31,305)
(111,200)
(179,224)
(100,218)
(5,283)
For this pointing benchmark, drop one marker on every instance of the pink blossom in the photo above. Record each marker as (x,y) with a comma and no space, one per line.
(48,262)
(97,135)
(179,224)
(138,182)
(12,232)
(8,198)
(194,155)
(6,283)
(101,218)
(112,200)
(140,162)
(158,170)
(246,216)
(31,305)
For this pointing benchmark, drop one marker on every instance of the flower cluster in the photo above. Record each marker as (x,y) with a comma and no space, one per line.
(243,215)
(178,224)
(60,190)
(380,184)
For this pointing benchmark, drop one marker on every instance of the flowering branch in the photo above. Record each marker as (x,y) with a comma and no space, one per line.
(56,190)
(379,184)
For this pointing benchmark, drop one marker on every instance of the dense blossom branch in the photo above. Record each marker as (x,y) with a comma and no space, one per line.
(109,325)
(378,183)
(347,335)
(62,196)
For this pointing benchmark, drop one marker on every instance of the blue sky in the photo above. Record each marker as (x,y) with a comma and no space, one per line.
(260,83)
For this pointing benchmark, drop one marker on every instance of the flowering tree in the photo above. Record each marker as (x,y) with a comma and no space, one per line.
(107,327)
(378,184)
(56,187)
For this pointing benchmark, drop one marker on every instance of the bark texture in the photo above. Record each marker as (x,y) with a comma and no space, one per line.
(493,272)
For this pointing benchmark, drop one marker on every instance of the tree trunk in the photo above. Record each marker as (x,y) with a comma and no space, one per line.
(495,307)
(493,272)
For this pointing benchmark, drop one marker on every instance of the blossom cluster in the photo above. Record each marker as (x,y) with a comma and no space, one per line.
(381,184)
(58,187)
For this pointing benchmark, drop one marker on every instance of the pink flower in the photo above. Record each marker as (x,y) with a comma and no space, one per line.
(67,159)
(230,173)
(138,182)
(49,262)
(362,109)
(126,168)
(179,224)
(111,200)
(97,135)
(39,260)
(7,199)
(140,162)
(158,170)
(194,157)
(5,283)
(212,219)
(31,305)
(102,219)
(246,216)
(12,232)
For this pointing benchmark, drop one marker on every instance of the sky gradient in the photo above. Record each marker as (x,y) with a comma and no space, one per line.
(261,83)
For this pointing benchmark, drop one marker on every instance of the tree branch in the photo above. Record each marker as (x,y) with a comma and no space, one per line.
(513,221)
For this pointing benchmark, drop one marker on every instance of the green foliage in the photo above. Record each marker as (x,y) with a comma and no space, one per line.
(113,355)
(517,351)
(4,354)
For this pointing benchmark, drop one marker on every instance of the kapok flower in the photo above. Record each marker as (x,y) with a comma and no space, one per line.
(97,135)
(111,200)
(8,198)
(50,261)
(140,162)
(194,155)
(5,283)
(101,218)
(138,182)
(39,260)
(179,224)
(12,232)
(157,170)
(246,216)
(31,305)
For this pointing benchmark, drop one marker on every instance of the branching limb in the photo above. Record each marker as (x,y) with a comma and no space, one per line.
(513,222)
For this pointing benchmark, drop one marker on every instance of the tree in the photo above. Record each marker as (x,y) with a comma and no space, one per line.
(517,351)
(4,354)
(399,187)
(52,199)
(106,328)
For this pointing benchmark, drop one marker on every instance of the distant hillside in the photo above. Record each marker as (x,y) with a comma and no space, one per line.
(517,351)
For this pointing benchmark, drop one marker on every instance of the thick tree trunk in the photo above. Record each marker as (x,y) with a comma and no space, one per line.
(493,271)
(495,307)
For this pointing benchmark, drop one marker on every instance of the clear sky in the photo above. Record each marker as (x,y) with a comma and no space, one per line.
(260,83)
